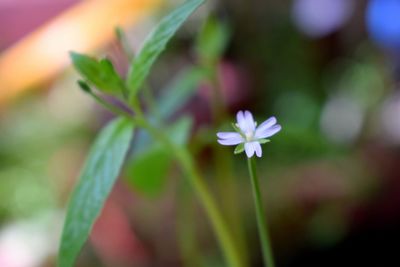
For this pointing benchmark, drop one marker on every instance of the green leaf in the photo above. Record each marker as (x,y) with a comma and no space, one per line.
(239,148)
(95,183)
(177,93)
(100,73)
(156,42)
(212,40)
(173,97)
(263,141)
(180,131)
(148,168)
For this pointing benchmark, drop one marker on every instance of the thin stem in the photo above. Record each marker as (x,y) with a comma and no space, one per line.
(110,107)
(223,165)
(261,222)
(218,223)
(135,104)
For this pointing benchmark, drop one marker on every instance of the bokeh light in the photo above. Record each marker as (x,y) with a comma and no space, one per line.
(383,22)
(318,18)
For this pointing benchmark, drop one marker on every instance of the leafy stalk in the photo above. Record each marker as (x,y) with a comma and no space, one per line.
(218,223)
(183,156)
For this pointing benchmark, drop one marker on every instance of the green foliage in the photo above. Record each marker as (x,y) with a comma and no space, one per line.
(156,42)
(148,169)
(100,73)
(180,131)
(177,93)
(173,97)
(28,144)
(239,148)
(95,183)
(212,40)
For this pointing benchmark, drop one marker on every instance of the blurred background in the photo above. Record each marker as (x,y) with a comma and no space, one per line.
(329,70)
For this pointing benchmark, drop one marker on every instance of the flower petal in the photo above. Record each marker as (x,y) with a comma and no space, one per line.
(266,124)
(248,147)
(257,148)
(241,121)
(231,141)
(228,135)
(268,132)
(250,124)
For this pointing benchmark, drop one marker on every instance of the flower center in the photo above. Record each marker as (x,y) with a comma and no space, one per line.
(249,136)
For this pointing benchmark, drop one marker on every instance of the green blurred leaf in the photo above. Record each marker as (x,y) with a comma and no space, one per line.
(156,42)
(148,168)
(177,93)
(173,97)
(264,141)
(100,73)
(179,132)
(239,148)
(95,183)
(212,40)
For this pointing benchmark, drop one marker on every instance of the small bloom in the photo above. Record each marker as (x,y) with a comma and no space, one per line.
(249,137)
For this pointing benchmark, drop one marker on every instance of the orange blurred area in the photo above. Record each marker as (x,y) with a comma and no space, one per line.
(86,26)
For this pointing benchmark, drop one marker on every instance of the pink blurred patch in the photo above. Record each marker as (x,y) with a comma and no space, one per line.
(20,17)
(113,238)
(234,84)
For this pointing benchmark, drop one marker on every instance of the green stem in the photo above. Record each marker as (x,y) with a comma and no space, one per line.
(223,165)
(218,223)
(261,222)
(110,107)
(135,104)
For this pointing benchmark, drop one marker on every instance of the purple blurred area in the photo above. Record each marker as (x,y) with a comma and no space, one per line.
(318,18)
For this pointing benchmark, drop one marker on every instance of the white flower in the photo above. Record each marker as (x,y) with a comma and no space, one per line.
(249,137)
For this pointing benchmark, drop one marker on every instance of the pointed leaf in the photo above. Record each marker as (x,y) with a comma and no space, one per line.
(156,42)
(95,183)
(100,73)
